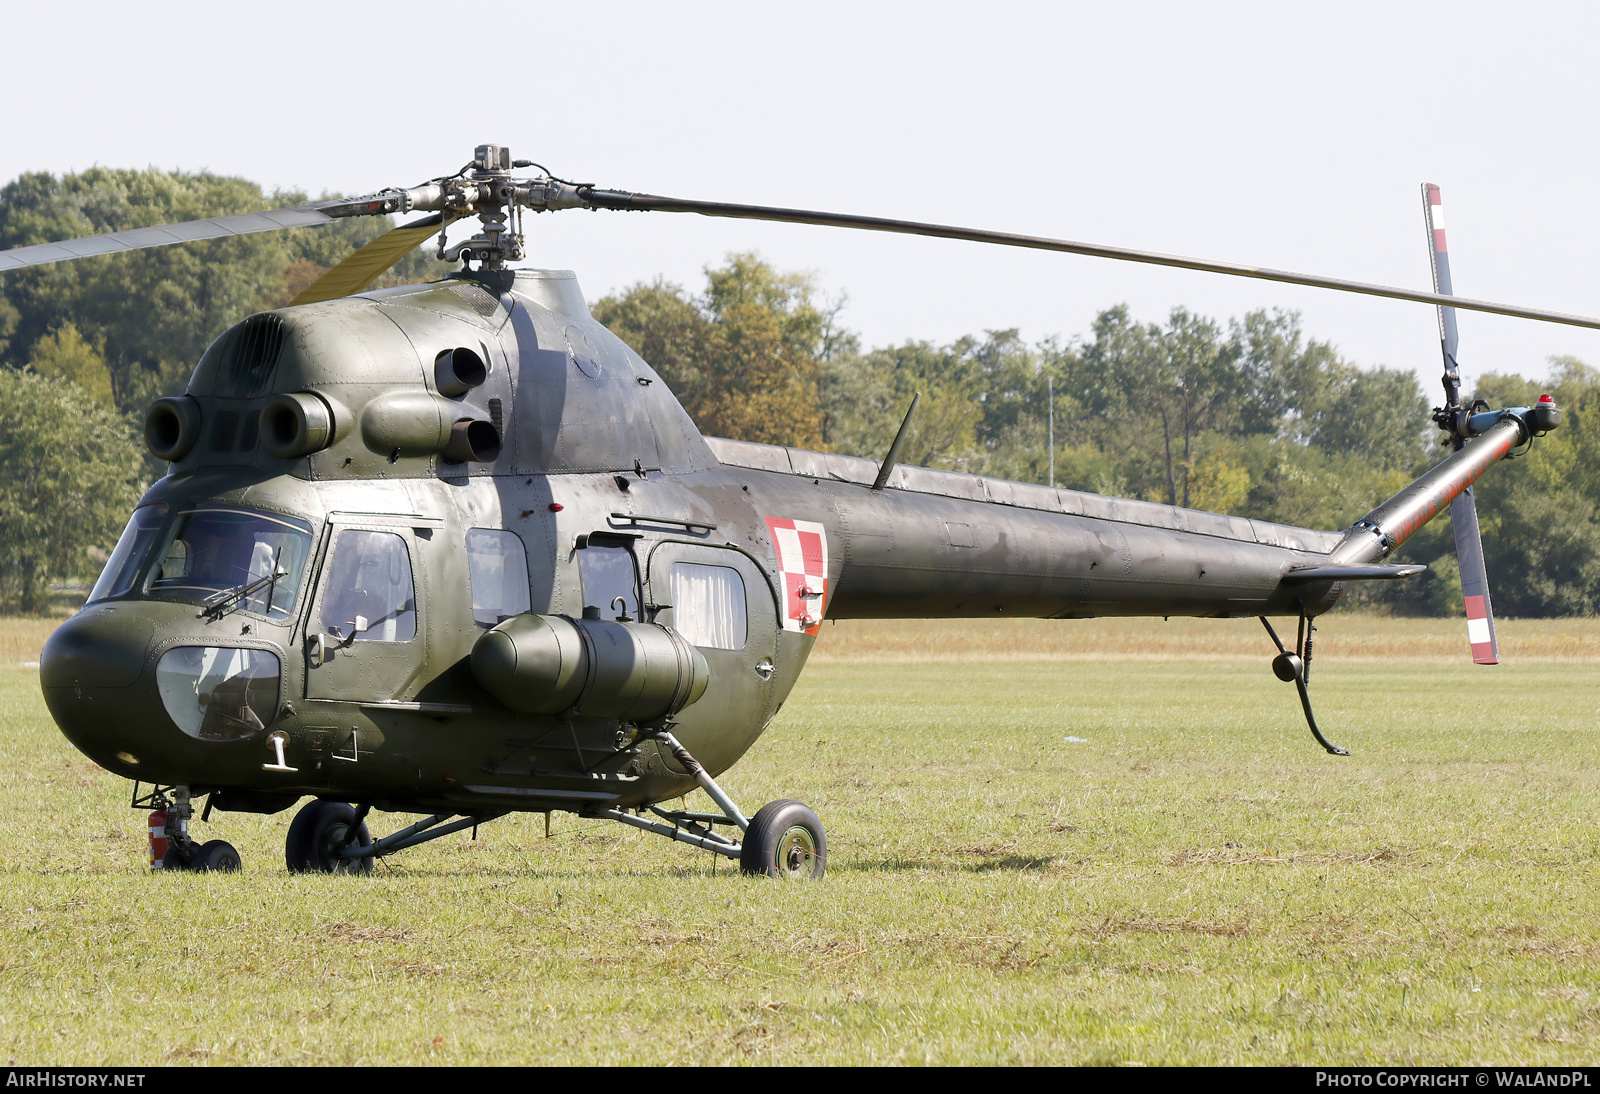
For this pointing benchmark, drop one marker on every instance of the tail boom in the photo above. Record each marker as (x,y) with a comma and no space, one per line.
(1376,535)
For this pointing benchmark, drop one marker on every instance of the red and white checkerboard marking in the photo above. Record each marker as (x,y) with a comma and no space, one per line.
(803,564)
(1478,631)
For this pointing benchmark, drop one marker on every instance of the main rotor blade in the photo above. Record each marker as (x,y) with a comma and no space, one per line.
(165,235)
(366,264)
(623,201)
(1474,579)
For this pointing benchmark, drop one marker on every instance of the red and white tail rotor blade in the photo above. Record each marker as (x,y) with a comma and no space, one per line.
(1439,259)
(1474,580)
(1464,509)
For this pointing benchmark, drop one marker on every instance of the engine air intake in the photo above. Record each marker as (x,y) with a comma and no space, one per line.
(297,425)
(171,427)
(249,356)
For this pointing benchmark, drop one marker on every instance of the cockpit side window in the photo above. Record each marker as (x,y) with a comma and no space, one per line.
(369,593)
(133,547)
(497,563)
(210,554)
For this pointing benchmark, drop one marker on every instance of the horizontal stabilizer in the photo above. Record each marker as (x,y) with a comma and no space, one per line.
(1352,573)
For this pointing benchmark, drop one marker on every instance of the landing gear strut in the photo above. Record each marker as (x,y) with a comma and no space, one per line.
(328,837)
(783,840)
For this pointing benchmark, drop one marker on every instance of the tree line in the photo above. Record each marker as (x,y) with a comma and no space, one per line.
(1251,416)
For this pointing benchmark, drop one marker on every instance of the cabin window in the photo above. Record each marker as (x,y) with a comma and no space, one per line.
(607,571)
(498,566)
(708,606)
(369,593)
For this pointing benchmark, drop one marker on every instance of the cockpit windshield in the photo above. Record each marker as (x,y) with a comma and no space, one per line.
(207,554)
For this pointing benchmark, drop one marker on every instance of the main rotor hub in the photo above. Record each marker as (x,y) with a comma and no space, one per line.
(485,187)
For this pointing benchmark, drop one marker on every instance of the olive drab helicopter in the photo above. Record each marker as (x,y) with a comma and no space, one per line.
(453,549)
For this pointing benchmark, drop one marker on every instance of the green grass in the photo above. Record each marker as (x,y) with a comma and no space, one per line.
(1195,882)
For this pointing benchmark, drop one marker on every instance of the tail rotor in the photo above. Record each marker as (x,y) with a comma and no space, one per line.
(1454,418)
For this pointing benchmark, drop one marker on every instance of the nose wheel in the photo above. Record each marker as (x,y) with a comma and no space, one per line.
(217,856)
(170,846)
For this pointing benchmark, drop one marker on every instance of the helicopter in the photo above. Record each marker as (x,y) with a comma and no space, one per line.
(454,549)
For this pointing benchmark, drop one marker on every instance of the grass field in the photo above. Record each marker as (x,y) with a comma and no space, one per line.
(1193,881)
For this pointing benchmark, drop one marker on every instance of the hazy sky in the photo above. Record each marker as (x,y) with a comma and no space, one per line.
(1292,136)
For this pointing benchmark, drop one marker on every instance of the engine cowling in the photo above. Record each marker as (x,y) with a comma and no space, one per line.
(547,664)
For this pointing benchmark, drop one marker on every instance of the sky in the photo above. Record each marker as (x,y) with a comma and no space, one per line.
(1292,136)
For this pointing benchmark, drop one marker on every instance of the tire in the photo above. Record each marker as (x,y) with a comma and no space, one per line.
(174,862)
(318,832)
(218,856)
(785,840)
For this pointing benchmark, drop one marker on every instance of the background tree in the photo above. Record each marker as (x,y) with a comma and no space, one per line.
(1540,536)
(67,355)
(70,472)
(746,359)
(664,326)
(868,395)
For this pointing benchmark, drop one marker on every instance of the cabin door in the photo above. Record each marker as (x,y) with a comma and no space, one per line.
(365,640)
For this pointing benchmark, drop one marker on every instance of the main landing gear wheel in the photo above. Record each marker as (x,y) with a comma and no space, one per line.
(784,840)
(318,833)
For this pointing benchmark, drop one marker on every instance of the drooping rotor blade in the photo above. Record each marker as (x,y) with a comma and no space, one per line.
(624,201)
(165,235)
(1463,508)
(366,264)
(1474,580)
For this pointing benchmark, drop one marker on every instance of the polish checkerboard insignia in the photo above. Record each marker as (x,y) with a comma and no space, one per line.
(802,547)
